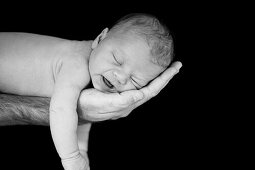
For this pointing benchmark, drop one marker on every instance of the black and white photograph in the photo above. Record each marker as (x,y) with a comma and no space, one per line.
(93,88)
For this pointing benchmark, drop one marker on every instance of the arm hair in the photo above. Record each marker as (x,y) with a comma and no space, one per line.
(25,110)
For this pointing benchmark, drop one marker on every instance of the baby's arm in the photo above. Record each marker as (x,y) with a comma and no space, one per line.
(83,136)
(83,139)
(63,116)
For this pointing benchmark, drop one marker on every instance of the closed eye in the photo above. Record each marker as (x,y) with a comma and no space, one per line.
(117,62)
(137,85)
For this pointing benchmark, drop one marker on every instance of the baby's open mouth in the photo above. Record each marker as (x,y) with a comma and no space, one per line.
(108,83)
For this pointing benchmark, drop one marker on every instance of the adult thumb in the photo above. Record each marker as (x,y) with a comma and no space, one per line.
(132,96)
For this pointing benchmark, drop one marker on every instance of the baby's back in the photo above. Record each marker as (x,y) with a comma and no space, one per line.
(29,62)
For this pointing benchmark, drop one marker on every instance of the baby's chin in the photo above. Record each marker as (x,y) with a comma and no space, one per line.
(94,80)
(96,83)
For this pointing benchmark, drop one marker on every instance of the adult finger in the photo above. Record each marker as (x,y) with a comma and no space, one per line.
(129,100)
(130,97)
(159,83)
(96,117)
(170,73)
(177,65)
(115,102)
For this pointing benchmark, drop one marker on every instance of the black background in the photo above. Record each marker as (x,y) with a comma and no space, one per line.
(178,128)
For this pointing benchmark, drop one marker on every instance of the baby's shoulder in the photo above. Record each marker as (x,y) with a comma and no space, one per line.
(73,48)
(72,64)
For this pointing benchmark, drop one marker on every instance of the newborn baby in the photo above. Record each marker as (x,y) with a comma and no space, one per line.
(135,51)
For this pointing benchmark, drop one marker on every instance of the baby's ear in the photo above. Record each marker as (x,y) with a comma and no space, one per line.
(99,38)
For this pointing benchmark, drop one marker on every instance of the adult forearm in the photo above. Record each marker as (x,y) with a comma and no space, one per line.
(25,110)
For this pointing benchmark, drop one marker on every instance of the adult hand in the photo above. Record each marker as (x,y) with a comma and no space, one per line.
(94,105)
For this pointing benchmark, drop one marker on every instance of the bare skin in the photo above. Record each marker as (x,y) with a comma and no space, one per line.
(18,110)
(35,110)
(44,73)
(36,65)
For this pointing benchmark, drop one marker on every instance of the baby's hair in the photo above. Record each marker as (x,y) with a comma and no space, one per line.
(155,33)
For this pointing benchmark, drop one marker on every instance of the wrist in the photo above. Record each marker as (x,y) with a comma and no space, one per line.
(71,157)
(75,161)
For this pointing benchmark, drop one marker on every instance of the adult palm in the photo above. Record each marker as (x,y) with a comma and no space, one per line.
(95,105)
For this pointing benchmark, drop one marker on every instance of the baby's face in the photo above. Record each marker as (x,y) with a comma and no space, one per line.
(122,63)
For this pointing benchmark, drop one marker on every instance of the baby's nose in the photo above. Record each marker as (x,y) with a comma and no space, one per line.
(120,77)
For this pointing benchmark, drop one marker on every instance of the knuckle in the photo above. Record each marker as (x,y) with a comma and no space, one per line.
(151,91)
(154,93)
(127,102)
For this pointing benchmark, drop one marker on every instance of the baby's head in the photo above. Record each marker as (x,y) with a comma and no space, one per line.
(134,52)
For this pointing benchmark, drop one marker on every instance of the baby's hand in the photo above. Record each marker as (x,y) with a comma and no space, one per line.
(77,162)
